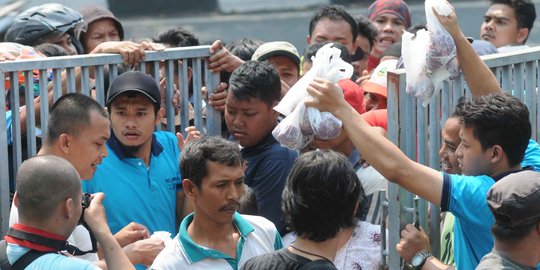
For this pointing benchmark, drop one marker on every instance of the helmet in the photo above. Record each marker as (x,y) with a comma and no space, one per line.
(37,22)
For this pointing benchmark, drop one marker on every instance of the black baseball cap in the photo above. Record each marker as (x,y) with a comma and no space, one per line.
(135,81)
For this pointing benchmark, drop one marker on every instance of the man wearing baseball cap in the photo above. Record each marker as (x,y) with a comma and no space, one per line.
(284,56)
(140,175)
(514,202)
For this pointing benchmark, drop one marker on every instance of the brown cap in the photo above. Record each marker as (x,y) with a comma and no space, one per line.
(274,48)
(515,199)
(93,13)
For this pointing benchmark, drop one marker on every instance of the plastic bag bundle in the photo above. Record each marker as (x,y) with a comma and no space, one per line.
(302,123)
(429,56)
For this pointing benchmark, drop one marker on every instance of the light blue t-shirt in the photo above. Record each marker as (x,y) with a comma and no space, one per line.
(465,197)
(135,192)
(51,261)
(532,156)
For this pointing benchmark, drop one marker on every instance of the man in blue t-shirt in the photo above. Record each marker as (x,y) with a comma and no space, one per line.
(140,175)
(254,90)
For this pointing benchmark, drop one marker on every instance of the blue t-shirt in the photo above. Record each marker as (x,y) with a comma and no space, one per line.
(465,197)
(51,261)
(532,156)
(134,192)
(268,164)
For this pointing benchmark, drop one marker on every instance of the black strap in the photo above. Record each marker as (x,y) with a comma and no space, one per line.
(22,262)
(38,239)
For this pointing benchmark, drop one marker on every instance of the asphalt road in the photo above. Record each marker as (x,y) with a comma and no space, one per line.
(290,26)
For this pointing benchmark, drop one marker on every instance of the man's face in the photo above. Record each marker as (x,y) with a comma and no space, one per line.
(133,120)
(500,26)
(333,30)
(336,144)
(471,158)
(374,102)
(389,30)
(63,40)
(100,31)
(249,121)
(217,199)
(87,149)
(361,65)
(450,143)
(287,69)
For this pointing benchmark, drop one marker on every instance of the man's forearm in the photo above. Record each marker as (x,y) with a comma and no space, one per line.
(112,252)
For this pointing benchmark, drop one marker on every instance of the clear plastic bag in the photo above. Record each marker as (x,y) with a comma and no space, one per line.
(430,56)
(301,124)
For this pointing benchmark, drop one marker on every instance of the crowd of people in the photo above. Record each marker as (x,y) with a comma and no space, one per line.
(108,191)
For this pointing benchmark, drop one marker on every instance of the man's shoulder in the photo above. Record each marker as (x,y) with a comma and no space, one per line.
(495,260)
(261,225)
(171,257)
(55,261)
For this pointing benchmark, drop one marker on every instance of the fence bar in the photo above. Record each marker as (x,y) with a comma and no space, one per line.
(4,166)
(30,121)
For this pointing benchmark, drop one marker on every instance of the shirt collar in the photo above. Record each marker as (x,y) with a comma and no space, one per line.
(268,140)
(116,146)
(195,252)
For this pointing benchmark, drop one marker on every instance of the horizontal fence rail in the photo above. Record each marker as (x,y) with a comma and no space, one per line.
(90,74)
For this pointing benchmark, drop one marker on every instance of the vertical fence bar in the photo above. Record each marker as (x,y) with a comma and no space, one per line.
(518,81)
(85,81)
(530,93)
(434,146)
(43,102)
(30,114)
(213,117)
(99,84)
(184,95)
(57,84)
(16,122)
(71,84)
(197,94)
(395,83)
(4,165)
(169,91)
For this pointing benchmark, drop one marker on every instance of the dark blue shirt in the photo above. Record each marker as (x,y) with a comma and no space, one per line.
(268,164)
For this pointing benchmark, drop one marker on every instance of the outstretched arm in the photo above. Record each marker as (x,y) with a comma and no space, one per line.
(472,66)
(382,154)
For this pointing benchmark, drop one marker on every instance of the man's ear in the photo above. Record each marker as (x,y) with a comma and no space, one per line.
(16,199)
(522,35)
(159,115)
(68,208)
(189,187)
(496,154)
(64,142)
(308,40)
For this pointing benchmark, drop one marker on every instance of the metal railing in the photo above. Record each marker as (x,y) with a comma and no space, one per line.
(76,71)
(416,130)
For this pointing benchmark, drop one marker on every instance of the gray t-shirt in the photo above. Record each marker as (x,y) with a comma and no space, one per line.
(282,259)
(498,261)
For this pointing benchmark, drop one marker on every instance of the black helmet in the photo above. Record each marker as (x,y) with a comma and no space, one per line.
(38,22)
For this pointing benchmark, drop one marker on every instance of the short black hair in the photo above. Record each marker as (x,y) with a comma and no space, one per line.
(498,119)
(244,48)
(43,183)
(254,79)
(524,11)
(366,29)
(177,37)
(511,235)
(197,153)
(321,194)
(334,13)
(312,50)
(50,50)
(70,114)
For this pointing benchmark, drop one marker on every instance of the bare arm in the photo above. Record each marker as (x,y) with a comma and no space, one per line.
(414,241)
(112,252)
(472,66)
(382,154)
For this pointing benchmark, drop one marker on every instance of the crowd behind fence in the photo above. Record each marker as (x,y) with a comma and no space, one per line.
(413,128)
(77,71)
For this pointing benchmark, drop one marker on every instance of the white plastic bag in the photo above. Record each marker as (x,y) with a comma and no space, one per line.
(294,132)
(430,56)
(301,124)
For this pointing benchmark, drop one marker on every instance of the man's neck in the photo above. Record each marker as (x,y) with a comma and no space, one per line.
(316,250)
(211,234)
(504,169)
(526,251)
(143,152)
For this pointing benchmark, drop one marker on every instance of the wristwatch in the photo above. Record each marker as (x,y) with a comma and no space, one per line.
(419,259)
